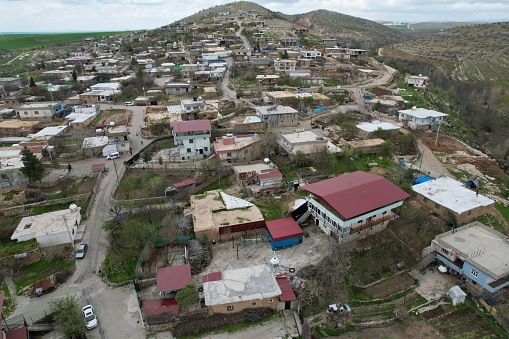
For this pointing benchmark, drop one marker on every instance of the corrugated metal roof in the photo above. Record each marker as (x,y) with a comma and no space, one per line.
(353,194)
(173,278)
(287,291)
(161,306)
(184,183)
(271,174)
(190,126)
(214,276)
(285,228)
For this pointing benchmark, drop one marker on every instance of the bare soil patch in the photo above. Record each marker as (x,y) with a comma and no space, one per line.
(390,286)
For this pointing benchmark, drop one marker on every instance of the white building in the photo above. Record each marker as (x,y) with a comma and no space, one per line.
(106,86)
(50,229)
(314,54)
(417,81)
(421,118)
(43,111)
(192,138)
(285,65)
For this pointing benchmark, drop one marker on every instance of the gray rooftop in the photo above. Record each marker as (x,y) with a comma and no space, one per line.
(250,283)
(482,246)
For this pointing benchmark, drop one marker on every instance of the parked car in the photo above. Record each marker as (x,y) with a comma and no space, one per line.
(80,252)
(129,103)
(89,317)
(114,155)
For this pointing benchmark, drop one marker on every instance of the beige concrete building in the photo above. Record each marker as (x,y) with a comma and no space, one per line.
(365,146)
(233,148)
(239,289)
(218,216)
(452,200)
(305,141)
(18,128)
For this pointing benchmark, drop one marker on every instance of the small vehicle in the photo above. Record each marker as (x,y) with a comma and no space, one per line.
(129,103)
(89,317)
(114,155)
(80,252)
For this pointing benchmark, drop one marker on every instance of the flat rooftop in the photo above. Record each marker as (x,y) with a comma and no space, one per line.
(366,142)
(303,137)
(44,224)
(18,123)
(255,167)
(49,131)
(38,105)
(480,245)
(215,209)
(422,113)
(250,283)
(452,194)
(235,143)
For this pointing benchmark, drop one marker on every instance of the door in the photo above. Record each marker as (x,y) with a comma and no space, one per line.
(288,305)
(201,150)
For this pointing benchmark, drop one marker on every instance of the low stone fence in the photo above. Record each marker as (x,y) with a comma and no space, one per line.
(18,209)
(16,261)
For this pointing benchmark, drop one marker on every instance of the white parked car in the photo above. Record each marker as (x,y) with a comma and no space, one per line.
(129,103)
(90,317)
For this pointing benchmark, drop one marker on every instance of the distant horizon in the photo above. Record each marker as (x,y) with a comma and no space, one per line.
(66,16)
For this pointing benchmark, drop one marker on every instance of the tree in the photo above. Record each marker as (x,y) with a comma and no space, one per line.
(187,296)
(160,161)
(284,55)
(74,75)
(66,314)
(146,157)
(387,148)
(32,82)
(32,166)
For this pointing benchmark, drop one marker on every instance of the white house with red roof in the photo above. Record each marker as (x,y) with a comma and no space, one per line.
(353,204)
(192,138)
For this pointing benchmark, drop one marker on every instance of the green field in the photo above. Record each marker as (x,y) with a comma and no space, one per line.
(27,41)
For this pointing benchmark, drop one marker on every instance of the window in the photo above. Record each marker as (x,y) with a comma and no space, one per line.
(425,199)
(191,141)
(26,113)
(271,300)
(228,154)
(229,308)
(414,194)
(474,273)
(437,206)
(188,150)
(36,112)
(253,304)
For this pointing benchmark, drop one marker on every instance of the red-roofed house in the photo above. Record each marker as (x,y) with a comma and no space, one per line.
(284,233)
(192,138)
(12,330)
(173,278)
(233,148)
(287,299)
(352,203)
(186,183)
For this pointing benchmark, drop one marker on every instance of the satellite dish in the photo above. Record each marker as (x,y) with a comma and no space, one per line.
(266,160)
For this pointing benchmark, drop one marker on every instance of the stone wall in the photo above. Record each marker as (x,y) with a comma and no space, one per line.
(15,263)
(18,209)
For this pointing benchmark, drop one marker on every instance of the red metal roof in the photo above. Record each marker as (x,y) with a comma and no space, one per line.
(161,306)
(98,166)
(214,276)
(282,229)
(353,194)
(186,182)
(286,290)
(271,174)
(19,333)
(173,278)
(191,125)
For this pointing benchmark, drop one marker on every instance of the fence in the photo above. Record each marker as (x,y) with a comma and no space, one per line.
(19,209)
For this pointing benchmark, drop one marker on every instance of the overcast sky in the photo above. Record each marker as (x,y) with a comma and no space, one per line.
(113,15)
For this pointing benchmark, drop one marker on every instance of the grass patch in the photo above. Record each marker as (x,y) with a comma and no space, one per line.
(9,195)
(26,41)
(40,270)
(271,210)
(119,273)
(503,209)
(415,300)
(221,184)
(491,221)
(9,247)
(9,305)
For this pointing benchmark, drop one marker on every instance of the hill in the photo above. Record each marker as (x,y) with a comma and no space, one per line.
(252,9)
(345,27)
(470,53)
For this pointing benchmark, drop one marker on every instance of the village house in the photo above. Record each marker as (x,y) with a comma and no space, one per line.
(18,128)
(235,290)
(43,111)
(314,54)
(94,97)
(475,252)
(178,88)
(258,176)
(421,118)
(365,146)
(303,141)
(50,229)
(81,117)
(353,205)
(284,65)
(192,138)
(11,84)
(289,42)
(452,200)
(416,81)
(233,148)
(278,116)
(367,130)
(284,233)
(267,78)
(119,137)
(11,163)
(173,278)
(219,217)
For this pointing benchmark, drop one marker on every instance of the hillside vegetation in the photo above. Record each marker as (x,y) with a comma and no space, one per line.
(472,53)
(27,41)
(347,28)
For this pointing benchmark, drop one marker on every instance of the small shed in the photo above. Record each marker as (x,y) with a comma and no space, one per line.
(287,299)
(284,233)
(457,295)
(173,278)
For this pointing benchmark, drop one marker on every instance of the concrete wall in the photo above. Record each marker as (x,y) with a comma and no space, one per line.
(445,213)
(242,305)
(12,262)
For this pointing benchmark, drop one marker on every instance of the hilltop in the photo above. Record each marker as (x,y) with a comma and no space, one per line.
(470,53)
(346,27)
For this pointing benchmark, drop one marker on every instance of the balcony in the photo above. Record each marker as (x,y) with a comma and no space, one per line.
(374,222)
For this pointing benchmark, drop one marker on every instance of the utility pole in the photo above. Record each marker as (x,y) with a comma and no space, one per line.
(438,131)
(115,165)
